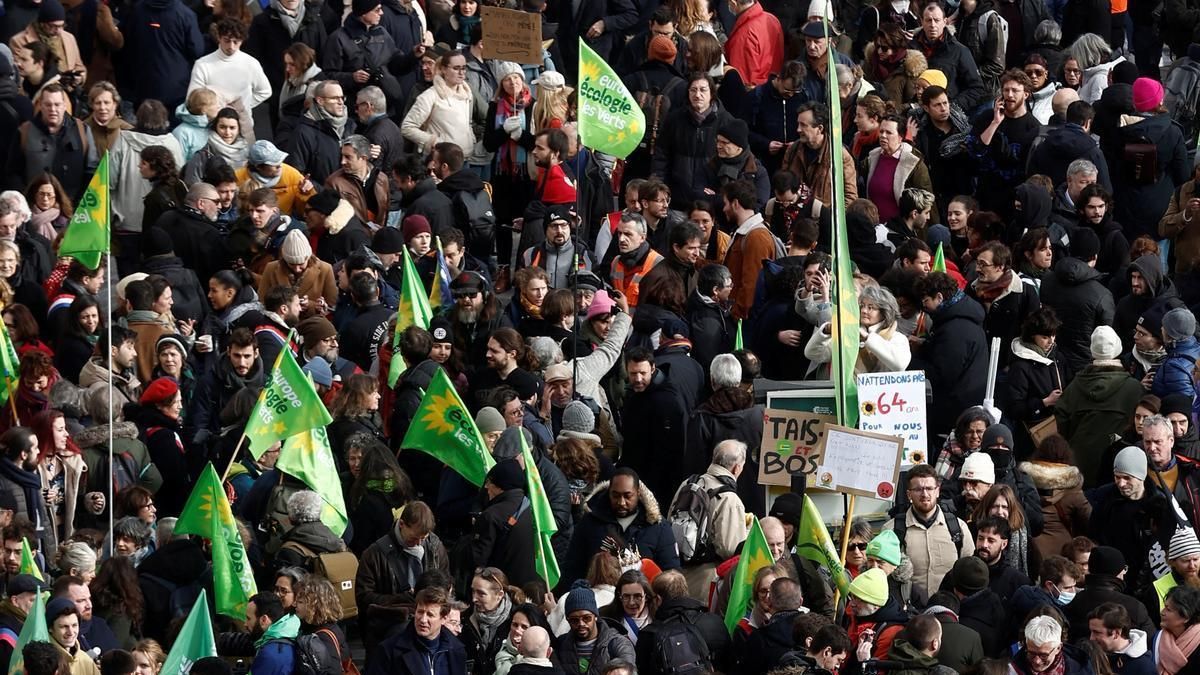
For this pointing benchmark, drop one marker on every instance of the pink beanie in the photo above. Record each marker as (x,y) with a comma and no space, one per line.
(1147,94)
(601,304)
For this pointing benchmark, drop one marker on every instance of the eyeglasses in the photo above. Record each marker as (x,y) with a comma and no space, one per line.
(857,547)
(1035,72)
(884,49)
(279,590)
(459,295)
(924,488)
(581,620)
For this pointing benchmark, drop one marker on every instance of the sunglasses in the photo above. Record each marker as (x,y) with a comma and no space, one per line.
(857,547)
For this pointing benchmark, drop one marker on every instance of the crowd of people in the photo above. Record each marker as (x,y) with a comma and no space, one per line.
(1016,172)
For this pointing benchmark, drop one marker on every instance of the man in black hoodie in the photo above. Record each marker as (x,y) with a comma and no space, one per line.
(1066,143)
(954,356)
(421,194)
(980,609)
(1075,290)
(676,608)
(1149,289)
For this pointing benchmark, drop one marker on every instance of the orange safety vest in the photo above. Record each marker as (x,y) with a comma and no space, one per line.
(627,280)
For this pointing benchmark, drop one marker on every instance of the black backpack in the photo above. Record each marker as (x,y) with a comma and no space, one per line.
(313,656)
(680,649)
(900,527)
(1183,98)
(473,214)
(655,104)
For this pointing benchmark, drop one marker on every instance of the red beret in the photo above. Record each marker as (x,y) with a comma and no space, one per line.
(160,391)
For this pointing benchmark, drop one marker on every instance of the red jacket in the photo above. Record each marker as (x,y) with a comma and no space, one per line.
(755,47)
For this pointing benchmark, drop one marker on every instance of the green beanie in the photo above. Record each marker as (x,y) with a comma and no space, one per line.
(885,547)
(871,587)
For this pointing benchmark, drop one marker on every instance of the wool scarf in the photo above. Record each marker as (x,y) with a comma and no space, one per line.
(1173,652)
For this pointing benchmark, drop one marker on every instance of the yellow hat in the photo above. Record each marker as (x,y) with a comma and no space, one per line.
(934,78)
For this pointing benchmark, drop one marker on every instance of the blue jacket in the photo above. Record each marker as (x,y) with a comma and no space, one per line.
(1175,374)
(192,131)
(771,117)
(277,657)
(162,40)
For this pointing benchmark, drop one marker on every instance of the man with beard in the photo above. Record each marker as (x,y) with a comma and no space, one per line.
(475,316)
(360,183)
(932,544)
(686,240)
(241,367)
(655,419)
(977,476)
(319,339)
(991,542)
(281,312)
(315,148)
(18,475)
(752,243)
(554,186)
(559,253)
(1184,558)
(591,643)
(1095,212)
(470,202)
(274,633)
(999,143)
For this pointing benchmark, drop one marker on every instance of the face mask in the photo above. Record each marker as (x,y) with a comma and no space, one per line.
(1065,597)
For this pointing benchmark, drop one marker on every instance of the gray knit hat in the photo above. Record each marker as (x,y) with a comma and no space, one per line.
(1179,324)
(578,417)
(1131,462)
(488,419)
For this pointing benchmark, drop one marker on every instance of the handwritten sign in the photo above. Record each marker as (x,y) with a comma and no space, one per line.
(894,404)
(858,462)
(790,445)
(512,35)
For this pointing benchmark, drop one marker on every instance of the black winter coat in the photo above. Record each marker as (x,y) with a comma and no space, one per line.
(767,645)
(632,55)
(191,299)
(427,200)
(1082,302)
(1005,315)
(494,543)
(361,338)
(1161,293)
(1099,589)
(355,47)
(771,117)
(407,32)
(382,131)
(181,562)
(1085,16)
(386,578)
(984,613)
(162,41)
(1031,378)
(315,149)
(711,329)
(649,533)
(1132,527)
(618,16)
(729,413)
(160,435)
(195,241)
(954,358)
(684,147)
(710,627)
(267,39)
(1063,145)
(953,58)
(654,424)
(1141,206)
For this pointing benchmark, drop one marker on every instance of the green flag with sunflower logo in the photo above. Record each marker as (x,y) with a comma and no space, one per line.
(756,554)
(443,428)
(610,119)
(207,514)
(288,405)
(307,456)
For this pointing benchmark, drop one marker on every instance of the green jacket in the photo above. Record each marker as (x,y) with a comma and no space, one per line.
(131,457)
(915,661)
(1097,404)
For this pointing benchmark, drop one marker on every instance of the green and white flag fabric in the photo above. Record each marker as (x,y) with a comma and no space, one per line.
(195,640)
(207,514)
(288,405)
(610,119)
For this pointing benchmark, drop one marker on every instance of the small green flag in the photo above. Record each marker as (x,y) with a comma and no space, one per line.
(207,514)
(939,260)
(844,322)
(288,405)
(737,340)
(544,524)
(755,556)
(414,310)
(610,120)
(33,630)
(195,640)
(308,457)
(10,365)
(28,562)
(445,429)
(813,542)
(87,237)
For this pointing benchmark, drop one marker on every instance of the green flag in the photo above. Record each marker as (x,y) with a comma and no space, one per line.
(28,562)
(33,630)
(544,524)
(288,405)
(87,235)
(610,119)
(195,640)
(307,456)
(443,428)
(939,260)
(10,365)
(207,515)
(844,322)
(414,310)
(813,542)
(737,340)
(755,556)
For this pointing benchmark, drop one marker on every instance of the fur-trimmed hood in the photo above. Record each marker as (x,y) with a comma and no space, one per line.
(1048,476)
(597,503)
(915,62)
(98,435)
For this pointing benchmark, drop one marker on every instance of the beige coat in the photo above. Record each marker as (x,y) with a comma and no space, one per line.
(931,551)
(317,281)
(74,62)
(75,469)
(80,662)
(726,529)
(1065,510)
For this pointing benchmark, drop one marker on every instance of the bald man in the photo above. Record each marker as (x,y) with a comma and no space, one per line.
(535,651)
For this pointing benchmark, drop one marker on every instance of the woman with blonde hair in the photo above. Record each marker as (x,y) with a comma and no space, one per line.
(149,657)
(553,106)
(77,559)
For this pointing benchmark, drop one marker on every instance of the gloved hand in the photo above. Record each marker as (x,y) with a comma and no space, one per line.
(513,124)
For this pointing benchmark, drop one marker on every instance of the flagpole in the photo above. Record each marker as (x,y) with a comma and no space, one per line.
(12,401)
(111,407)
(849,517)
